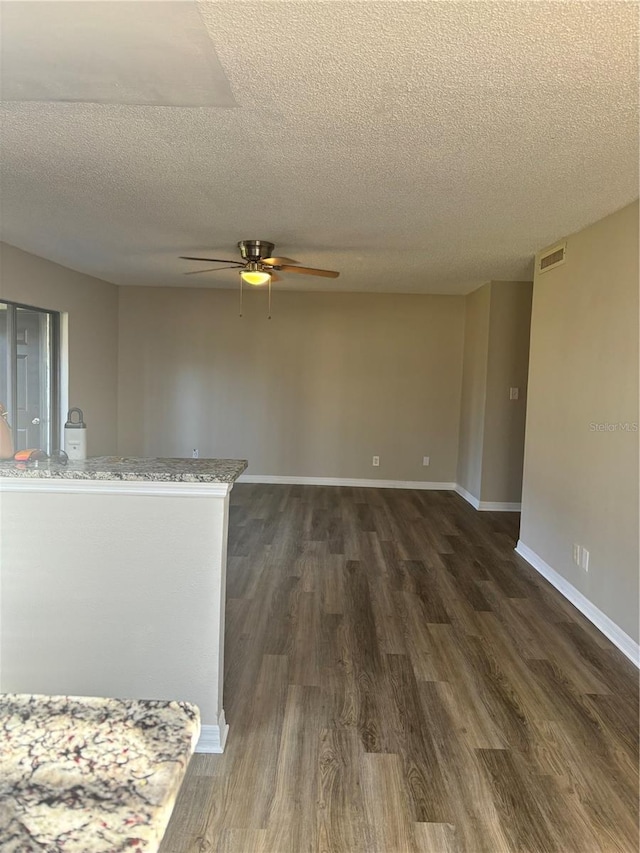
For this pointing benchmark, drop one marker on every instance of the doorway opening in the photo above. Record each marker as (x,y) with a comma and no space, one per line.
(30,375)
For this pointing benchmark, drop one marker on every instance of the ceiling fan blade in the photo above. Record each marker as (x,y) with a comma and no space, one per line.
(276,262)
(275,276)
(212,260)
(309,271)
(213,269)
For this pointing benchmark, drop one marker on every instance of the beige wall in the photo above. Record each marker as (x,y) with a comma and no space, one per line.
(92,307)
(580,484)
(507,367)
(330,381)
(474,389)
(496,352)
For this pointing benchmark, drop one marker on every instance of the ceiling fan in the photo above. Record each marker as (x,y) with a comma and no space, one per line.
(258,266)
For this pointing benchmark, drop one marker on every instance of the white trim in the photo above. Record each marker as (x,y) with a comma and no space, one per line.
(424,485)
(213,738)
(155,488)
(487,506)
(613,632)
(499,506)
(469,498)
(275,479)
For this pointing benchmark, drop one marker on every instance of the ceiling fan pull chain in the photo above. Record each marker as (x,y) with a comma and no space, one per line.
(269,314)
(240,296)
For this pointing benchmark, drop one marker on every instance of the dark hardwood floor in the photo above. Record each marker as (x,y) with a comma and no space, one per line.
(397,680)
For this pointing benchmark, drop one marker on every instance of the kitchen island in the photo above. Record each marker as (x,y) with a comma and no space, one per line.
(112,580)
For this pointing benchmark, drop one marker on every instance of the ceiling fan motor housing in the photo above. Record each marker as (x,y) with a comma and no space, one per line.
(255,250)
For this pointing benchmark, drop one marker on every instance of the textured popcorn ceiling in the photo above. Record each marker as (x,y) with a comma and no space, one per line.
(414,146)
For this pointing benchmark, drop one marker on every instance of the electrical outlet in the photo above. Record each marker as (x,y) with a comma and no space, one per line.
(195,453)
(576,554)
(584,562)
(425,460)
(376,461)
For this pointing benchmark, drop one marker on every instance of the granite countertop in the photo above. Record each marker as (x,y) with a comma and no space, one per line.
(80,774)
(130,468)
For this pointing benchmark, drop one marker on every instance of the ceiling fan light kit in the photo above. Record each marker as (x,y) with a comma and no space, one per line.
(255,276)
(258,266)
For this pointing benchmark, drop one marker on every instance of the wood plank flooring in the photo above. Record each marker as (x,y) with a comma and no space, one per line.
(399,680)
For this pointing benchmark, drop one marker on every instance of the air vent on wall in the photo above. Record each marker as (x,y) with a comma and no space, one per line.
(550,258)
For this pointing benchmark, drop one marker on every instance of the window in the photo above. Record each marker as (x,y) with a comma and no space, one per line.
(29,375)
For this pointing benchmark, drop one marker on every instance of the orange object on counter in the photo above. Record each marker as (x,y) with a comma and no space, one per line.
(23,455)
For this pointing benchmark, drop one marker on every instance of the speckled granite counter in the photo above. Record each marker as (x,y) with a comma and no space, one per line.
(130,469)
(83,774)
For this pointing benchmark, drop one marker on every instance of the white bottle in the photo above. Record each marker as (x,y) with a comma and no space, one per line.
(75,436)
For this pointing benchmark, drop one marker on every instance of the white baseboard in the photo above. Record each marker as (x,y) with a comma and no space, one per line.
(487,506)
(613,632)
(274,479)
(499,506)
(213,738)
(469,498)
(286,480)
